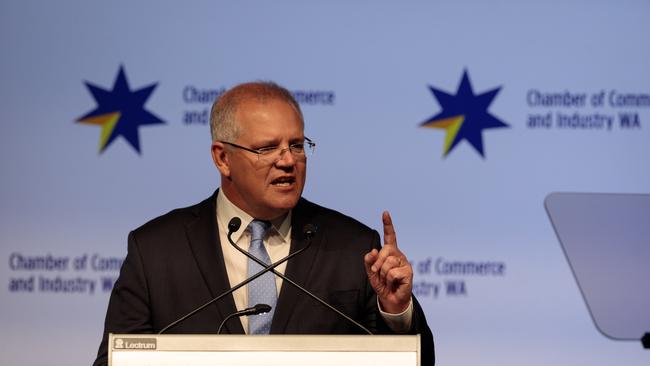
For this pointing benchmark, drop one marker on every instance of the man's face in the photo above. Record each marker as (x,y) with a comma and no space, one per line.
(265,190)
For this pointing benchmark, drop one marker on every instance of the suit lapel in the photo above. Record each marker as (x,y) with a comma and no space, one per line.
(299,268)
(203,238)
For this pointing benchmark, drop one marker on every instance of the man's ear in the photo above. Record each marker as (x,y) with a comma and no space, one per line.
(220,158)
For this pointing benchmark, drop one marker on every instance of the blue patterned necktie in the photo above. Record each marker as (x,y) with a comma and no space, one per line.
(262,290)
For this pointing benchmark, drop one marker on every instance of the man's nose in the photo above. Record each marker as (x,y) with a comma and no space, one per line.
(286,158)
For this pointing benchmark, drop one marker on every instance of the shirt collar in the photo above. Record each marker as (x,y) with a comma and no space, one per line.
(226,210)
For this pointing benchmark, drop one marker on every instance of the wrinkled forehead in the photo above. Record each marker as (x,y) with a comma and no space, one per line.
(256,109)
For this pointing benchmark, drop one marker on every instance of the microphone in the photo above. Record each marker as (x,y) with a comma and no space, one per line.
(234,225)
(309,230)
(257,309)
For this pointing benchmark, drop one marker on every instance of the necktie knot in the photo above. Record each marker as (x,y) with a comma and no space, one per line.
(258,229)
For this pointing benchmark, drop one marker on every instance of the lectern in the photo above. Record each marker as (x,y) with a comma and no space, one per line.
(267,350)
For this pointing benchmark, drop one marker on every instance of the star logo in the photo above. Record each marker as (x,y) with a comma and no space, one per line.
(120,112)
(464,116)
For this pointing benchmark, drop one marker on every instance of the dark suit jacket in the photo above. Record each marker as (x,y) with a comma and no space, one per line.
(175,264)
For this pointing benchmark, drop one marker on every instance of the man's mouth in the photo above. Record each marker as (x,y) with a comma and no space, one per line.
(283,181)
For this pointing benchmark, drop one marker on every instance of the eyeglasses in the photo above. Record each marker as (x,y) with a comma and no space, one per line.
(272,154)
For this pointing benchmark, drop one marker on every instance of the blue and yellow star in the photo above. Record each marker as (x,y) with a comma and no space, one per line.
(464,116)
(120,112)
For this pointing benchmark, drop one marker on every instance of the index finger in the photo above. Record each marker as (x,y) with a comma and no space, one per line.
(390,238)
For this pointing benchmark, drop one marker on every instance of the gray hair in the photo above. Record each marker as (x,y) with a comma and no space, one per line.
(223,125)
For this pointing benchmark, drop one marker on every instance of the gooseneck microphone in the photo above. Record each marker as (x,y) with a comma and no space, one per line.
(255,310)
(270,267)
(309,231)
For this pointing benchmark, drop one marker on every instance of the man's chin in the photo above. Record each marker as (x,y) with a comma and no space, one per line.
(284,205)
(288,204)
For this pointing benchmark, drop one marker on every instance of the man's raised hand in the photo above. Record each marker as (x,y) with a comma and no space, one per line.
(389,271)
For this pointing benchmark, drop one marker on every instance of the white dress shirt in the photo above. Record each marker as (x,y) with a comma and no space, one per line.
(277,244)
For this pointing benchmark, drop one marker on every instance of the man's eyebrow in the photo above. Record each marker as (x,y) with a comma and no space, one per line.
(276,142)
(266,142)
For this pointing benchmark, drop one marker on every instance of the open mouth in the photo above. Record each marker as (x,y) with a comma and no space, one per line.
(283,181)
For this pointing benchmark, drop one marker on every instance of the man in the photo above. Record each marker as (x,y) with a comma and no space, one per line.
(181,260)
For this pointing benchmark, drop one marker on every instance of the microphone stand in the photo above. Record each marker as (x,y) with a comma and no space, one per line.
(257,309)
(309,231)
(235,288)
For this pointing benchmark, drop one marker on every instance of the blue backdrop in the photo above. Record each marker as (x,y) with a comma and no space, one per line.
(457,116)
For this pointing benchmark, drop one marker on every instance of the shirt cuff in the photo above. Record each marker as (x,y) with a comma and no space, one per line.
(398,323)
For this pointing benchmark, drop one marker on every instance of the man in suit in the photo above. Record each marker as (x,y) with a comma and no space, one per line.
(183,259)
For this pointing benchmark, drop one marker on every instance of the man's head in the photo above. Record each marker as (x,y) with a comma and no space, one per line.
(255,116)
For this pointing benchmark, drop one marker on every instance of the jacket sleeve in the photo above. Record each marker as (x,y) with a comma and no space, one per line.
(128,308)
(418,323)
